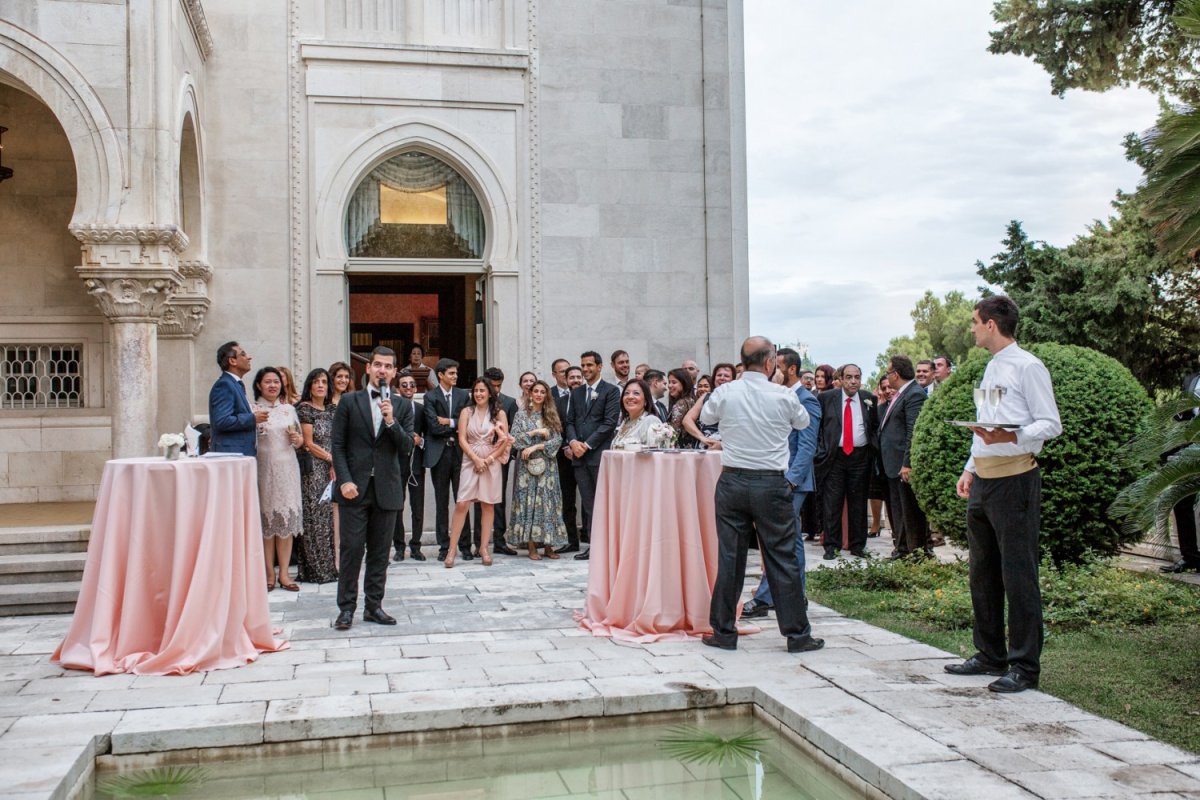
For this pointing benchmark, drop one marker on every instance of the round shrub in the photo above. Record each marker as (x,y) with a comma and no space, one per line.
(1102,407)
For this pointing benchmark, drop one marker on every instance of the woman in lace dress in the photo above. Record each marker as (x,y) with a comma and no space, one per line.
(635,430)
(279,497)
(315,559)
(483,437)
(536,517)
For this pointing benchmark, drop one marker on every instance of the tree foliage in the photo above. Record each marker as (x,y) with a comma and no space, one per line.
(941,327)
(1102,407)
(1097,45)
(1110,290)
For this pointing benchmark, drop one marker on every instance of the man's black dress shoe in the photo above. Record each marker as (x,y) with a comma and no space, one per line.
(896,555)
(569,548)
(975,666)
(810,537)
(713,641)
(584,556)
(379,616)
(755,609)
(505,549)
(1012,682)
(442,555)
(417,555)
(465,555)
(860,554)
(830,554)
(344,621)
(1179,566)
(806,645)
(398,555)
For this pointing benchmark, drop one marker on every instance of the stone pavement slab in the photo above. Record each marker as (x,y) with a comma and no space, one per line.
(496,646)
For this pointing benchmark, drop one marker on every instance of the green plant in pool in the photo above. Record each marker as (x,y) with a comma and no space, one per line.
(161,782)
(696,745)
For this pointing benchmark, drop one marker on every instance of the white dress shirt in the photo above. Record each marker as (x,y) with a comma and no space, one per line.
(756,417)
(1028,401)
(860,428)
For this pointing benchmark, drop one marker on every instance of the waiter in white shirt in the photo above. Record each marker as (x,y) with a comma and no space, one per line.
(1003,487)
(756,417)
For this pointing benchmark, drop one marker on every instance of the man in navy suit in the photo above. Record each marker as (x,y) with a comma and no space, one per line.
(591,422)
(233,421)
(897,420)
(845,456)
(802,447)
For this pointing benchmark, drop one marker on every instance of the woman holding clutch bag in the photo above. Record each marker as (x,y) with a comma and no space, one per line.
(279,495)
(536,517)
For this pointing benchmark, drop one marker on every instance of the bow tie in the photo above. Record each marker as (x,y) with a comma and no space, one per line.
(375,394)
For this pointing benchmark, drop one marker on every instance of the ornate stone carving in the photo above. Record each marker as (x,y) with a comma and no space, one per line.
(185,312)
(535,187)
(296,194)
(168,235)
(127,297)
(199,26)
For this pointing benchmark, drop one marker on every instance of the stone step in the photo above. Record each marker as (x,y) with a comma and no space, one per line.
(54,597)
(40,539)
(41,568)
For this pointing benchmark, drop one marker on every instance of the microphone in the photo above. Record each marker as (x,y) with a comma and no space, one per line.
(385,391)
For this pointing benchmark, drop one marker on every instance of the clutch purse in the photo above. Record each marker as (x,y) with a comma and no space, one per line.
(536,465)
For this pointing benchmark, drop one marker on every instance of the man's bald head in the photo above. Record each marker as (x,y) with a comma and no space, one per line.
(757,351)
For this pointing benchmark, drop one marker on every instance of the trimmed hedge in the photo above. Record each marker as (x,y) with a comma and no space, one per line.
(1102,407)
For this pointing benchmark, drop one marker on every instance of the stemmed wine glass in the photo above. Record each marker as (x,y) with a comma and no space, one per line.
(980,397)
(994,396)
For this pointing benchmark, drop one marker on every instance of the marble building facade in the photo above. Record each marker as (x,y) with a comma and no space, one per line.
(185,173)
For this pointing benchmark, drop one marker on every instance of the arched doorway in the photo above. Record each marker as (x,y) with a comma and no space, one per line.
(416,235)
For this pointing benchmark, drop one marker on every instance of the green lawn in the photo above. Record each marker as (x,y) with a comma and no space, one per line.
(1145,676)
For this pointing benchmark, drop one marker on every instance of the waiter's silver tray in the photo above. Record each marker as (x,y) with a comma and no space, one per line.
(1008,426)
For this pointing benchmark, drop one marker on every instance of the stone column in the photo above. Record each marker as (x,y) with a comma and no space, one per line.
(132,272)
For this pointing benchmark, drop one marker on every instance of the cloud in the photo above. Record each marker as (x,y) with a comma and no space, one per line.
(888,150)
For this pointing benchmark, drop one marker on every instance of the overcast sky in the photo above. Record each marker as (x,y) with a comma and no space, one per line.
(887,152)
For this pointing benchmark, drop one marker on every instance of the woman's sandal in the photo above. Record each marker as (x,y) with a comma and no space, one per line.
(290,587)
(270,586)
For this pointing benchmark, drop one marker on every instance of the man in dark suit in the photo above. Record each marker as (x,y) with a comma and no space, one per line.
(369,441)
(495,376)
(233,421)
(802,447)
(898,418)
(443,458)
(412,472)
(845,454)
(591,422)
(567,378)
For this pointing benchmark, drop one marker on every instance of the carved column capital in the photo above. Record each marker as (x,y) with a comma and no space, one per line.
(131,270)
(186,310)
(150,235)
(129,297)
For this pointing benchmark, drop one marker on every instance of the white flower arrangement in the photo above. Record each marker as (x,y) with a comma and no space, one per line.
(661,434)
(171,440)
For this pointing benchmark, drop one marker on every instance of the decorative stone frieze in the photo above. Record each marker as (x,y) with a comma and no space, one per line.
(185,311)
(199,26)
(169,235)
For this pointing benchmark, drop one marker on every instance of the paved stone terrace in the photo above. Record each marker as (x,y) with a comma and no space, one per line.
(488,646)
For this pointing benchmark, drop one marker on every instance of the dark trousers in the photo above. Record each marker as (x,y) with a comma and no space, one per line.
(1004,518)
(499,515)
(586,477)
(364,527)
(846,481)
(444,475)
(414,489)
(566,482)
(910,529)
(746,504)
(1185,528)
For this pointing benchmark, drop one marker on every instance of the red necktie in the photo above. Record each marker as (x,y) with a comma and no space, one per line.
(848,429)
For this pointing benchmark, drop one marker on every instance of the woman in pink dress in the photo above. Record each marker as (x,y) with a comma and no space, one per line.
(485,442)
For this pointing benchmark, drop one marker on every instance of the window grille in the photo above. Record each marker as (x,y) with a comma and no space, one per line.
(41,376)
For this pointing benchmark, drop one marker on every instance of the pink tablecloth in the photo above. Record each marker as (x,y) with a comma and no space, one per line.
(175,579)
(654,546)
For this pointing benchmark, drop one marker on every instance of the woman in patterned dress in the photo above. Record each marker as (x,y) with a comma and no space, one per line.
(279,495)
(536,517)
(315,558)
(679,391)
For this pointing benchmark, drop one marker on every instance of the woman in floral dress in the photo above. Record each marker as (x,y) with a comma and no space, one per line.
(315,557)
(279,496)
(536,517)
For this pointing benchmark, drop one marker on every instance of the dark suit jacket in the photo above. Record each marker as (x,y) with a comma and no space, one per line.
(230,417)
(357,450)
(509,406)
(832,404)
(438,434)
(802,445)
(895,432)
(596,424)
(416,459)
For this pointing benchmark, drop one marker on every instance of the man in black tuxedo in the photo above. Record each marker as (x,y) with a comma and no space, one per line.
(369,440)
(443,458)
(412,472)
(898,418)
(495,376)
(591,422)
(566,378)
(845,454)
